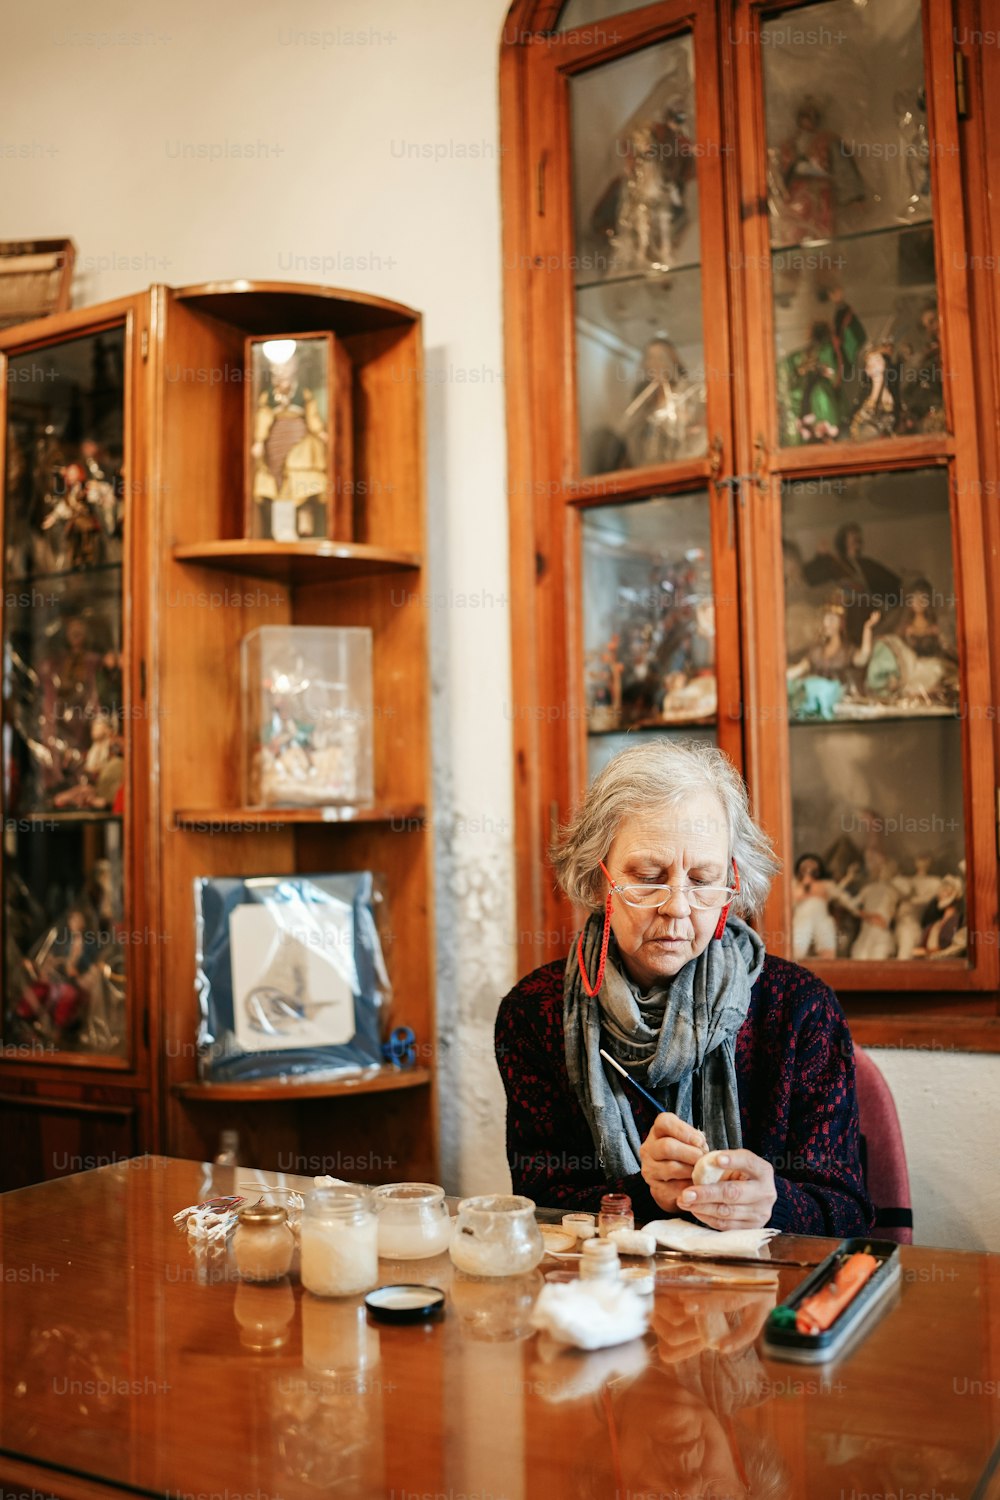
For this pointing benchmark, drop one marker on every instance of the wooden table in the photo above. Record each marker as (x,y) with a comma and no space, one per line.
(128,1363)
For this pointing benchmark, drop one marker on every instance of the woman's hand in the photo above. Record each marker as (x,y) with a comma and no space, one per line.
(667,1155)
(742,1202)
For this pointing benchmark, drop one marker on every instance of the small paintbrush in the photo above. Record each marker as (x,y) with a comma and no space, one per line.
(629,1079)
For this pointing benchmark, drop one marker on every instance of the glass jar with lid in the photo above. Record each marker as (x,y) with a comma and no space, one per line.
(339,1242)
(616,1213)
(263,1243)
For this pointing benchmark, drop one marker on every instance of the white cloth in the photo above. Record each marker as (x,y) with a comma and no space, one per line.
(698,1239)
(589,1314)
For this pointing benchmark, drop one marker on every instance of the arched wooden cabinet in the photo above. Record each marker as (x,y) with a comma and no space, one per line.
(748,426)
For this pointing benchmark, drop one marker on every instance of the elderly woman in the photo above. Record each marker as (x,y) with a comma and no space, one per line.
(745,1053)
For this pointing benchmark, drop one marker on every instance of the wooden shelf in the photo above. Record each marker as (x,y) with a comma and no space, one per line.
(288,1090)
(298,562)
(263,819)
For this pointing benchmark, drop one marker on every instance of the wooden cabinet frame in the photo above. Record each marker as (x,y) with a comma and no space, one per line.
(889,1003)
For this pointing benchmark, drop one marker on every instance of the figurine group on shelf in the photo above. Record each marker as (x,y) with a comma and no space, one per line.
(874,912)
(67,709)
(844,385)
(658,667)
(848,659)
(66,976)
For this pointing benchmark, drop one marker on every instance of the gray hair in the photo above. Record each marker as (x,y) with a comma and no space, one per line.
(655,774)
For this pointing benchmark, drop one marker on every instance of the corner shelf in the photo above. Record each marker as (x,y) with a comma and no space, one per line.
(298,562)
(385,1081)
(263,819)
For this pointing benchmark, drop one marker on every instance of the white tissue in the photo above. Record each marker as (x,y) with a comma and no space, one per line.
(589,1315)
(633,1241)
(698,1239)
(707,1172)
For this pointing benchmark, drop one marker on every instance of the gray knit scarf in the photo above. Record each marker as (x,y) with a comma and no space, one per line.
(679,1041)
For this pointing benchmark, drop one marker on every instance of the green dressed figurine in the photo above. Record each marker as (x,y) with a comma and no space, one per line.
(811,381)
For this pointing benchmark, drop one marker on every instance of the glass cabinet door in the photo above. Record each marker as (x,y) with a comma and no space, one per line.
(877,815)
(648,623)
(640,362)
(857,337)
(873,677)
(63,725)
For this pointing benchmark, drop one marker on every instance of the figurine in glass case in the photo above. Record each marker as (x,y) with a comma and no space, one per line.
(944,933)
(863,580)
(818,176)
(289,450)
(916,891)
(69,708)
(818,681)
(53,1000)
(877,413)
(875,907)
(649,213)
(665,417)
(814,932)
(813,380)
(914,665)
(922,375)
(79,529)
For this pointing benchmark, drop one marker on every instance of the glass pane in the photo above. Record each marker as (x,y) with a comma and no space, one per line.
(63,738)
(875,717)
(649,618)
(640,350)
(855,294)
(586,12)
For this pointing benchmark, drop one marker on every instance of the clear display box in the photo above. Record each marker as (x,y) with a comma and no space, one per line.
(307,716)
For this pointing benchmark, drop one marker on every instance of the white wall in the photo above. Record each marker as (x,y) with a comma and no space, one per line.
(373,164)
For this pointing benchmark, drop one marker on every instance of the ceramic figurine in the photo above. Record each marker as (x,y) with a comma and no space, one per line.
(651,212)
(664,419)
(831,659)
(913,667)
(818,176)
(877,413)
(875,906)
(289,448)
(814,932)
(813,381)
(916,892)
(944,933)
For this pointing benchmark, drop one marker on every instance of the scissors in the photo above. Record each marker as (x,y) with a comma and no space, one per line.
(401,1048)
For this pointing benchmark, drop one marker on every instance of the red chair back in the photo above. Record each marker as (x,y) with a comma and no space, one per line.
(882,1153)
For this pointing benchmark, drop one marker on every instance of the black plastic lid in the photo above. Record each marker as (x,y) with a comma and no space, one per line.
(405,1302)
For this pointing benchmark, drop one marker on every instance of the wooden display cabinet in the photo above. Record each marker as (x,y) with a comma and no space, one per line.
(744,383)
(190,586)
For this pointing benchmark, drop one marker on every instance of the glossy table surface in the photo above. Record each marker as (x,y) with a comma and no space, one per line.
(130,1363)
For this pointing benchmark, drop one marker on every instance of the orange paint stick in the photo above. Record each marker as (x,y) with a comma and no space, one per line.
(819,1311)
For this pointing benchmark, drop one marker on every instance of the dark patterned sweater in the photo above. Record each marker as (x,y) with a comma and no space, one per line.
(798,1110)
